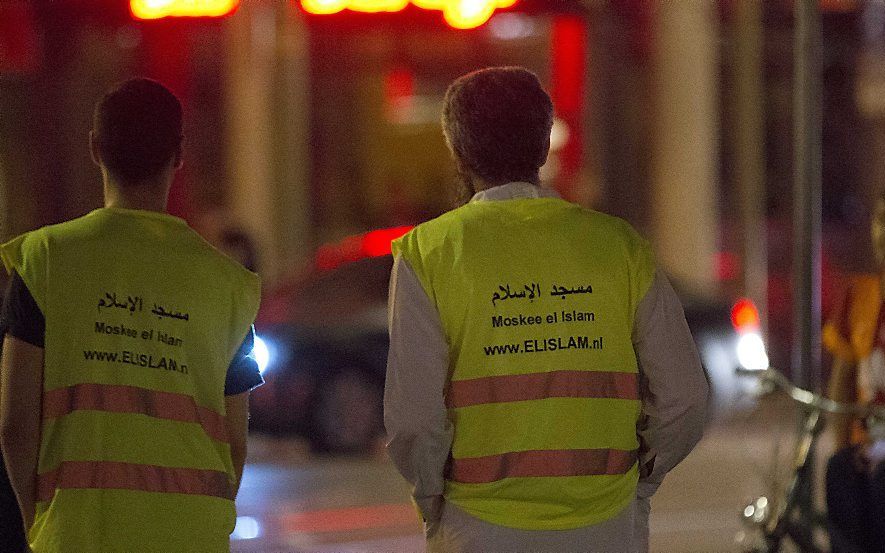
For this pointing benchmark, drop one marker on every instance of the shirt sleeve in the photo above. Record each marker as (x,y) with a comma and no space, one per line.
(673,386)
(21,316)
(415,417)
(243,374)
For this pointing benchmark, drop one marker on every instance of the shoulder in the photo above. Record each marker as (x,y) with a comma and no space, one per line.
(38,240)
(71,230)
(26,250)
(425,235)
(616,226)
(223,263)
(613,235)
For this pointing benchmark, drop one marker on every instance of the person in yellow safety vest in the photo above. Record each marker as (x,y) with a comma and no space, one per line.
(541,377)
(126,363)
(855,336)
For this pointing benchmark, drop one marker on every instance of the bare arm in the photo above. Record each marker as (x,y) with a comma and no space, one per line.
(21,405)
(237,423)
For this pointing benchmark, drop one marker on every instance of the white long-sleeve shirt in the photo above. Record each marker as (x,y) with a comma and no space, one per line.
(673,388)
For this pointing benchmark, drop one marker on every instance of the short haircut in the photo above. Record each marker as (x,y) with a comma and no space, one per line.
(497,122)
(138,128)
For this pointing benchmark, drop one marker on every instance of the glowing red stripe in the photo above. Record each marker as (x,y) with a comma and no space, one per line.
(131,399)
(524,387)
(128,476)
(543,463)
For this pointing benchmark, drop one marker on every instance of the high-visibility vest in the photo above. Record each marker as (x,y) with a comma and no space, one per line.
(537,299)
(143,318)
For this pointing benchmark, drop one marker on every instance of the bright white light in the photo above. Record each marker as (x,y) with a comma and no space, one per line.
(247,528)
(751,352)
(261,354)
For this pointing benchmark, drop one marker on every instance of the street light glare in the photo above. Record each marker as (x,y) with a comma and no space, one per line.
(261,353)
(751,352)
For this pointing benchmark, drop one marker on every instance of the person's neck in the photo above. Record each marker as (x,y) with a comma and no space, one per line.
(146,196)
(480,184)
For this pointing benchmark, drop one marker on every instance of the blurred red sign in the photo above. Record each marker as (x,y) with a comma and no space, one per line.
(459,14)
(158,9)
(19,47)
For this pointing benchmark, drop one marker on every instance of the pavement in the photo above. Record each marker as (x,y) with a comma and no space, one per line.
(293,502)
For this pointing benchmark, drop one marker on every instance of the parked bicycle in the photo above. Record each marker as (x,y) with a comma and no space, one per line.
(789,515)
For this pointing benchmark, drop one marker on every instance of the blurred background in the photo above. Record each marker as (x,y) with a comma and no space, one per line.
(313,138)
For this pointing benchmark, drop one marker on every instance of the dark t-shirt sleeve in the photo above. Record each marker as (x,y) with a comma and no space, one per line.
(22,317)
(243,374)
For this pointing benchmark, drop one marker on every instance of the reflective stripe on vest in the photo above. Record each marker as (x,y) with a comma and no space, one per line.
(524,387)
(133,400)
(520,464)
(130,476)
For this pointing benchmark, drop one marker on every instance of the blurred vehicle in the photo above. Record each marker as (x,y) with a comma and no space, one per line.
(325,329)
(325,332)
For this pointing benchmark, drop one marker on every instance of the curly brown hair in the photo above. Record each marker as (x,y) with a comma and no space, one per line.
(497,123)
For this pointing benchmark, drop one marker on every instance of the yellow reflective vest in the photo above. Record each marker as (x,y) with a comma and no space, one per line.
(142,320)
(537,299)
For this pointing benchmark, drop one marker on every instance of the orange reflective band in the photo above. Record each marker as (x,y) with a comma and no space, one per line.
(524,387)
(131,399)
(542,463)
(129,476)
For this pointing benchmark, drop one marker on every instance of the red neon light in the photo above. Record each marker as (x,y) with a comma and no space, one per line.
(158,9)
(460,14)
(744,315)
(568,72)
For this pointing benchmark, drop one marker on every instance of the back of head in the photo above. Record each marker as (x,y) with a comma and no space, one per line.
(138,129)
(497,122)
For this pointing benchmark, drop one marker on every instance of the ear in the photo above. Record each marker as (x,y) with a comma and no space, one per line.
(546,151)
(93,148)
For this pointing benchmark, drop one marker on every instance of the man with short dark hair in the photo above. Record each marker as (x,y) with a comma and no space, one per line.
(541,378)
(125,368)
